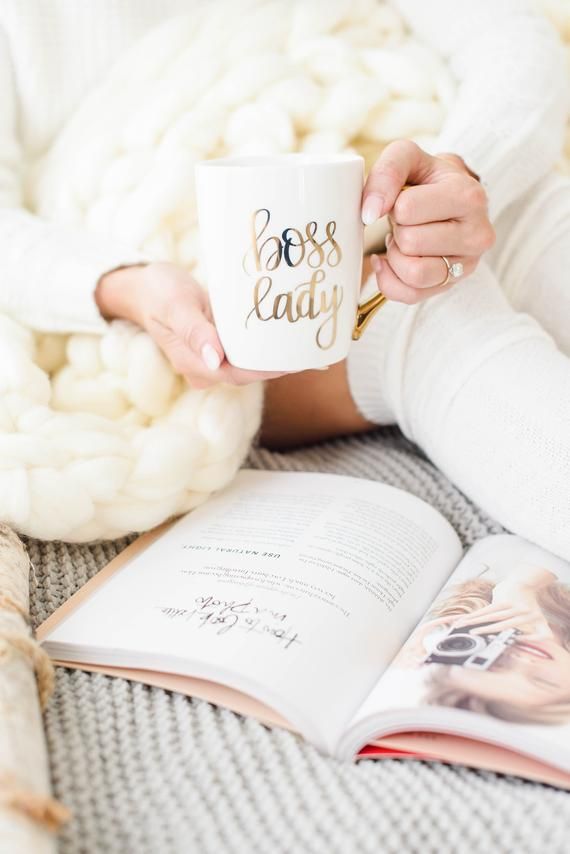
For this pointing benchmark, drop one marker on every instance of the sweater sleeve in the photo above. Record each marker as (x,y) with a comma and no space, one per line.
(48,273)
(512,102)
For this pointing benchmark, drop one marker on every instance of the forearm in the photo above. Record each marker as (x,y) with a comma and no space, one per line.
(309,407)
(507,120)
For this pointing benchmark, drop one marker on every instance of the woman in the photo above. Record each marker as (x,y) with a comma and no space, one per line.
(467,376)
(530,681)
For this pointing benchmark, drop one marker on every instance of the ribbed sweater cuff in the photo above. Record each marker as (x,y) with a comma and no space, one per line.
(76,282)
(49,274)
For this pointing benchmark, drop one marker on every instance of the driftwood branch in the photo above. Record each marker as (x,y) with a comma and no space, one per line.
(28,814)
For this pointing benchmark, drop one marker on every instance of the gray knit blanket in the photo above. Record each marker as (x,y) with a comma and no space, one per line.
(145,771)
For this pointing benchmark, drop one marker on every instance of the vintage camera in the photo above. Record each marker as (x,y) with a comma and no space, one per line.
(479,652)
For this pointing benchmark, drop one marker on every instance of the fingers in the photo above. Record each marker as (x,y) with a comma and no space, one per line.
(240,376)
(200,357)
(493,610)
(443,212)
(499,626)
(423,272)
(193,361)
(456,197)
(498,617)
(400,162)
(430,625)
(189,323)
(394,288)
(190,365)
(445,238)
(193,349)
(178,317)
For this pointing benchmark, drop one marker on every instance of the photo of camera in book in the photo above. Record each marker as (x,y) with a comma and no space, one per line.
(461,647)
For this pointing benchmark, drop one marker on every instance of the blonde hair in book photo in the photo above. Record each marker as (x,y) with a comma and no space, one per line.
(524,611)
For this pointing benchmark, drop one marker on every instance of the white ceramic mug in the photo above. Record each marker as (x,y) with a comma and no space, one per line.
(282,243)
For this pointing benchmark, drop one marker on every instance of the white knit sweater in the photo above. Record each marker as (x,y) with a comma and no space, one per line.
(506,122)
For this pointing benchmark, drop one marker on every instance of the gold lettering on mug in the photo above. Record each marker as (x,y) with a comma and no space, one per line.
(271,245)
(312,299)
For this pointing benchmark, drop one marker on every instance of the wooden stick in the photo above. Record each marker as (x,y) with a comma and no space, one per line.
(28,814)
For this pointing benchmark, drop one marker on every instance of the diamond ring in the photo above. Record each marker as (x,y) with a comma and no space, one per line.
(453,271)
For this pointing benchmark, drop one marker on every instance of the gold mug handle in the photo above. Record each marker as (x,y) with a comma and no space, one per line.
(366,312)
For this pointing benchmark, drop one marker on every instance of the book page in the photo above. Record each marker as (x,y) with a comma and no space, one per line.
(490,659)
(466,751)
(295,588)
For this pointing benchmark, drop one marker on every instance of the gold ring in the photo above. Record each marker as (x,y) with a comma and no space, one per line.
(448,271)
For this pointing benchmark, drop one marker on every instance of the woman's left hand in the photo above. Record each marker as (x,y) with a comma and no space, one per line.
(442,213)
(414,652)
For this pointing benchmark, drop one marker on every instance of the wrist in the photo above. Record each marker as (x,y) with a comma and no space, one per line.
(119,294)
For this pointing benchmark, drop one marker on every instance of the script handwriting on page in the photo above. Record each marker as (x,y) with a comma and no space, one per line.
(241,615)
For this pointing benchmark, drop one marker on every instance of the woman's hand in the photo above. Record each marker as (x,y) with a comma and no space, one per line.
(444,213)
(167,301)
(415,651)
(524,615)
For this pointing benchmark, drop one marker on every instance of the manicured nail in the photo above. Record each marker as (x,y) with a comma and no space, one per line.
(210,357)
(377,266)
(372,208)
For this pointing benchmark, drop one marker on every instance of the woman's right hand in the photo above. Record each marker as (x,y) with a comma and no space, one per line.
(522,614)
(169,303)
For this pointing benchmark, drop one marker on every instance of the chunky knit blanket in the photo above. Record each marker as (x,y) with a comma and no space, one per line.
(97,436)
(103,439)
(150,772)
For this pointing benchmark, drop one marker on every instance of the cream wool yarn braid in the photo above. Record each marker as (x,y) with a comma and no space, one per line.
(28,814)
(97,435)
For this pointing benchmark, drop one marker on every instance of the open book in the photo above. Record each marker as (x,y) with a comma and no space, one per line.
(342,609)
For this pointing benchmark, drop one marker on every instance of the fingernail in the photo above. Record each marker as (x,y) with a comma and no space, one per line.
(388,239)
(375,263)
(372,208)
(210,357)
